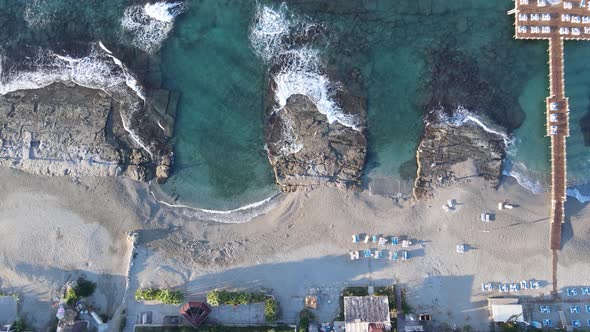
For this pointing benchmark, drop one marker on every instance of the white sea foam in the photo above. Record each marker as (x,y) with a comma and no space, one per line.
(150,24)
(301,68)
(99,70)
(163,11)
(461,115)
(39,13)
(524,177)
(575,192)
(235,216)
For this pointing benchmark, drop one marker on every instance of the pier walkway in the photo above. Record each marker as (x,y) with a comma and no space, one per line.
(555,21)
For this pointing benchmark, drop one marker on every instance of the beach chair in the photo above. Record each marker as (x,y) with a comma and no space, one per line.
(395,240)
(378,254)
(355,238)
(451,203)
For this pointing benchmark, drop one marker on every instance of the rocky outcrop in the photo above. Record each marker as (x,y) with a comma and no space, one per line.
(305,149)
(71,130)
(446,143)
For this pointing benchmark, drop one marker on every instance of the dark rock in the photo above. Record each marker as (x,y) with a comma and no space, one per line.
(444,145)
(304,149)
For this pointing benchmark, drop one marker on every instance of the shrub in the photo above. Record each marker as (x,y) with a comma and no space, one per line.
(18,325)
(163,295)
(355,291)
(71,296)
(85,288)
(217,297)
(271,309)
(305,318)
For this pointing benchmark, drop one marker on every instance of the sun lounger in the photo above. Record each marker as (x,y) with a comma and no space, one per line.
(367,253)
(575,309)
(404,255)
(451,203)
(508,206)
(382,241)
(367,238)
(535,285)
(378,254)
(524,285)
(585,290)
(486,287)
(374,238)
(395,255)
(572,292)
(354,255)
(406,243)
(460,248)
(500,206)
(483,217)
(514,287)
(545,309)
(355,238)
(395,240)
(446,208)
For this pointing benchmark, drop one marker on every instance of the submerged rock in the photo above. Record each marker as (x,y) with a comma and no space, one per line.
(447,142)
(305,149)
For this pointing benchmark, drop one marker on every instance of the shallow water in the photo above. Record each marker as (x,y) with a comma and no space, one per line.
(219,148)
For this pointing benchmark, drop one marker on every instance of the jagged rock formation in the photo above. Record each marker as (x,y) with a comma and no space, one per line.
(446,144)
(71,130)
(304,149)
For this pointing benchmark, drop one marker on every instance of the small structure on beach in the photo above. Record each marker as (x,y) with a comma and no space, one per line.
(195,313)
(366,313)
(505,310)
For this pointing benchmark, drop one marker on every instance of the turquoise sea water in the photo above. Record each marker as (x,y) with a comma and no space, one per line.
(412,55)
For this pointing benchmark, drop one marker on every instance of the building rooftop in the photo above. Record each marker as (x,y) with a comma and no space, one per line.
(367,309)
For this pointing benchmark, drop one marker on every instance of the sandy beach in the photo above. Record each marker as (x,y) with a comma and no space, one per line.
(58,228)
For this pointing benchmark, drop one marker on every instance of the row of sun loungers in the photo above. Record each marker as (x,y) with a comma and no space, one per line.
(509,288)
(381,240)
(574,309)
(574,291)
(378,254)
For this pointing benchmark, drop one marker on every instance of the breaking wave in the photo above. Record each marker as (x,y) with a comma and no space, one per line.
(301,68)
(99,70)
(577,194)
(150,24)
(235,216)
(524,177)
(460,116)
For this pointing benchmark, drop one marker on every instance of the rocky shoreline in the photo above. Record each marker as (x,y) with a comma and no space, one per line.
(445,144)
(304,149)
(66,129)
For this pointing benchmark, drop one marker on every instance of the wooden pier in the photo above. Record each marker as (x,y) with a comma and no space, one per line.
(555,21)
